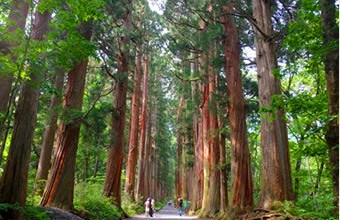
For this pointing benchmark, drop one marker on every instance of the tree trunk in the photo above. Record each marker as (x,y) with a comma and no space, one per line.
(115,156)
(297,179)
(276,181)
(60,183)
(48,139)
(148,151)
(179,165)
(331,60)
(17,15)
(214,179)
(205,136)
(13,184)
(133,138)
(142,125)
(241,190)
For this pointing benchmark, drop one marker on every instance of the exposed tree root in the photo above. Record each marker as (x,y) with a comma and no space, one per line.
(264,214)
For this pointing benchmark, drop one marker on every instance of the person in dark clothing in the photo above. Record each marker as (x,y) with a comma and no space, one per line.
(180,206)
(150,210)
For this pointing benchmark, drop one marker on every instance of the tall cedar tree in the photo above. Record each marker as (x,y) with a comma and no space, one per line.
(331,60)
(179,153)
(141,187)
(16,20)
(133,137)
(49,133)
(60,183)
(214,179)
(115,155)
(241,192)
(13,184)
(205,134)
(276,183)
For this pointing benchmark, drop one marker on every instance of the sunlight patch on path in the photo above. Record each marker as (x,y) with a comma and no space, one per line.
(167,212)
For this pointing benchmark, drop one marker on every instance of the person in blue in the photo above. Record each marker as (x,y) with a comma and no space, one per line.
(180,206)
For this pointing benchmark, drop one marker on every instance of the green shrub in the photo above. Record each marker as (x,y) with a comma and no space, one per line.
(132,208)
(30,211)
(88,197)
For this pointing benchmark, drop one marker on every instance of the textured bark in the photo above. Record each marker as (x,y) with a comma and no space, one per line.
(241,191)
(49,133)
(205,137)
(60,183)
(276,181)
(331,60)
(115,155)
(223,175)
(149,153)
(133,137)
(214,180)
(13,184)
(179,165)
(142,124)
(17,15)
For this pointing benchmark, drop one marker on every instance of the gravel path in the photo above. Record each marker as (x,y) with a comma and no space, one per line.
(167,212)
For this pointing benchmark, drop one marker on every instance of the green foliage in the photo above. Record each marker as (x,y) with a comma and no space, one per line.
(132,208)
(305,208)
(31,212)
(88,197)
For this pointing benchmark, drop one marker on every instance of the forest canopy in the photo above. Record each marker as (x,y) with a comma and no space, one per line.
(232,105)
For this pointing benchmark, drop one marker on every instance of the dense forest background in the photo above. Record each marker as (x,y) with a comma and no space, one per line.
(232,105)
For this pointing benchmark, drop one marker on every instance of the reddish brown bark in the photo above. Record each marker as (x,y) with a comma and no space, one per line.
(142,124)
(48,139)
(149,153)
(276,181)
(115,155)
(331,60)
(179,165)
(13,184)
(205,137)
(60,183)
(214,179)
(241,192)
(133,137)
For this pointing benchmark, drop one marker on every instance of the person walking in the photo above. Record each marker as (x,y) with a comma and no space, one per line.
(147,206)
(151,206)
(180,206)
(186,206)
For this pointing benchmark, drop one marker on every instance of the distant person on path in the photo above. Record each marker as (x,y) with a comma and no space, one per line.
(147,205)
(151,205)
(186,207)
(180,206)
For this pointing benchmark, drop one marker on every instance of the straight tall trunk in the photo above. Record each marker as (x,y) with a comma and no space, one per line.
(115,155)
(133,138)
(241,191)
(60,183)
(276,183)
(214,179)
(142,124)
(17,18)
(179,165)
(331,60)
(13,184)
(205,136)
(49,133)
